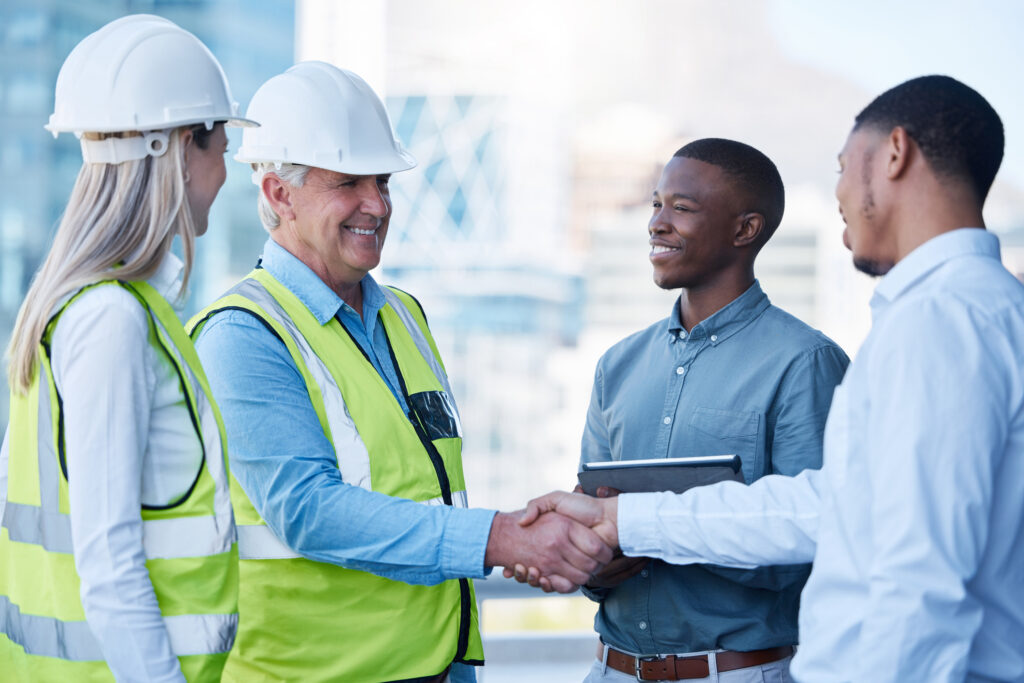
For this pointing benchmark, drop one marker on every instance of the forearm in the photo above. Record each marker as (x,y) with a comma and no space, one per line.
(390,537)
(773,521)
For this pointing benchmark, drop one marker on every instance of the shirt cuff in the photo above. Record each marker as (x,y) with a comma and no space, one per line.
(639,528)
(465,542)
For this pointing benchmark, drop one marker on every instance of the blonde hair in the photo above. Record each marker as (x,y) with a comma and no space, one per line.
(124,215)
(293,174)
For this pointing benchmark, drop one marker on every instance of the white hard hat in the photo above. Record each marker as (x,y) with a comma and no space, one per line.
(139,73)
(316,114)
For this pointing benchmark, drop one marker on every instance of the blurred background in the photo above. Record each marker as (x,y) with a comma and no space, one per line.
(540,127)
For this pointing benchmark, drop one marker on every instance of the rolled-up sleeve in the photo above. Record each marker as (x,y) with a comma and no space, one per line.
(288,468)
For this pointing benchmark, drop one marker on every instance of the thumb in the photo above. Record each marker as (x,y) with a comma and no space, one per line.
(538,506)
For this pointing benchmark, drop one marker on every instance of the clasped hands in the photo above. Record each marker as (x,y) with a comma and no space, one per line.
(562,541)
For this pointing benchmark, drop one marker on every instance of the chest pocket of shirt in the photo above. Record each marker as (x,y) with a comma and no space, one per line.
(726,432)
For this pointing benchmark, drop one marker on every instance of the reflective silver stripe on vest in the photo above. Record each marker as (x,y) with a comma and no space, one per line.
(353,458)
(424,348)
(49,491)
(188,536)
(44,524)
(201,634)
(258,542)
(48,637)
(161,538)
(209,535)
(190,634)
(32,524)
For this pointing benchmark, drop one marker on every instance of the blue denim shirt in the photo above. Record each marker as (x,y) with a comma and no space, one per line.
(750,380)
(288,468)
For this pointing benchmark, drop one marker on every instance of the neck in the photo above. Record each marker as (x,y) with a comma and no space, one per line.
(348,285)
(938,209)
(699,303)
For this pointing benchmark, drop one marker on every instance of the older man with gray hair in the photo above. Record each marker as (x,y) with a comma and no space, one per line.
(355,541)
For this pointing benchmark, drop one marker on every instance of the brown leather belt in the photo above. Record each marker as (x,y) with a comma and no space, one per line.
(673,668)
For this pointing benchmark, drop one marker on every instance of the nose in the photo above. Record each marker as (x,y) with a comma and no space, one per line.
(374,199)
(657,223)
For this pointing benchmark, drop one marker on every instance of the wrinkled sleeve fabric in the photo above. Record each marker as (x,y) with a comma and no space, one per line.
(100,365)
(797,428)
(937,425)
(772,521)
(288,469)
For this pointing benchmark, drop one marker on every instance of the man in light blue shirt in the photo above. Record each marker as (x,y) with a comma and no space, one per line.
(915,523)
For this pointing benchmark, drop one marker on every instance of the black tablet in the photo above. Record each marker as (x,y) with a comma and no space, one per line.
(659,474)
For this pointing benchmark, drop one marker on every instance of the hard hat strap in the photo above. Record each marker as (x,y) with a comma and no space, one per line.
(117,150)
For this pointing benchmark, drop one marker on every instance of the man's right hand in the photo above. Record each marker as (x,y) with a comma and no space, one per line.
(621,567)
(559,547)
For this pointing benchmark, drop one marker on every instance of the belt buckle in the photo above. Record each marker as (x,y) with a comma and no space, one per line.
(638,661)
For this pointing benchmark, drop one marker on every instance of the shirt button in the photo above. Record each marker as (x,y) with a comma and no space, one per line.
(667,420)
(680,370)
(642,625)
(644,573)
(714,337)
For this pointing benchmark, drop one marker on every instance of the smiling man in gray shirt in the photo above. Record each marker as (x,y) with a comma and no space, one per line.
(725,373)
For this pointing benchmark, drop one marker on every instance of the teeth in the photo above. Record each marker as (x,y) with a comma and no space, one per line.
(363,232)
(659,249)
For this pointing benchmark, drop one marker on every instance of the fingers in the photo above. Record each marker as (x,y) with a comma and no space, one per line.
(607,492)
(589,543)
(558,583)
(538,506)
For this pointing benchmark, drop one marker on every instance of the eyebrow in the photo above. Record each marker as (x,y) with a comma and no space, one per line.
(678,195)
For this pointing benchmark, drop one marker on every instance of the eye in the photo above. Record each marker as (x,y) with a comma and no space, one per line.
(680,207)
(656,204)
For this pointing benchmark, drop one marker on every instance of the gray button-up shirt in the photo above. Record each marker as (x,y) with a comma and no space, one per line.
(750,380)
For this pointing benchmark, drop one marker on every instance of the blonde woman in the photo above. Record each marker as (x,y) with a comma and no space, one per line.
(117,546)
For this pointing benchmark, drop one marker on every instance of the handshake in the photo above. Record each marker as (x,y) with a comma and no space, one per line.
(560,542)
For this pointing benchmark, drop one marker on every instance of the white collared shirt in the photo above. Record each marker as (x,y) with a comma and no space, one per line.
(915,523)
(129,441)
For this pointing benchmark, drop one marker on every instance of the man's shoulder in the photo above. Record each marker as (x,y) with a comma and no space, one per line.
(790,333)
(965,292)
(637,342)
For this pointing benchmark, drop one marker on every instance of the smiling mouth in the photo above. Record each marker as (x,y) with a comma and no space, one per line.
(361,231)
(661,249)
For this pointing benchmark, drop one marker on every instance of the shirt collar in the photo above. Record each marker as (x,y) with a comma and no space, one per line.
(924,259)
(725,322)
(167,280)
(320,299)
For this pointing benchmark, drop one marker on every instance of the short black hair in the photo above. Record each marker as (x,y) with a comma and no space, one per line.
(958,131)
(754,174)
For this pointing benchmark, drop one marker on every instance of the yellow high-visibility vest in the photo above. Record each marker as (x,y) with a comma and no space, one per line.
(190,545)
(316,621)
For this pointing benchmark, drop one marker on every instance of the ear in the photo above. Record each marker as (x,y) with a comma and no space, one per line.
(186,142)
(279,194)
(899,152)
(749,230)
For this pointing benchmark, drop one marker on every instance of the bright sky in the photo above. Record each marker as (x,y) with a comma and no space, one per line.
(880,43)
